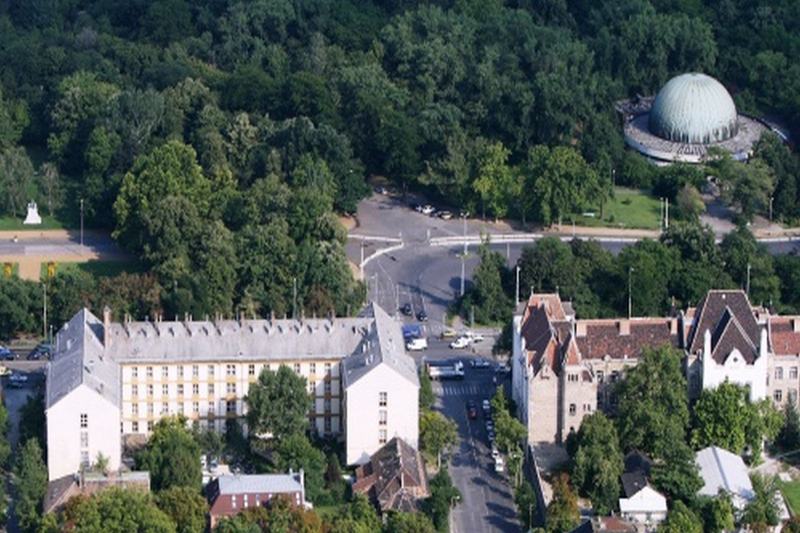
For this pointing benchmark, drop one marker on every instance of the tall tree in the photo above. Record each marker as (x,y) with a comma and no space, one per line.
(597,464)
(185,506)
(761,512)
(562,512)
(172,456)
(653,408)
(295,452)
(30,474)
(116,510)
(681,519)
(169,170)
(278,403)
(437,434)
(16,179)
(495,183)
(561,182)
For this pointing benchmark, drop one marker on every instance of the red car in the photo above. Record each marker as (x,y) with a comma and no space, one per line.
(472,410)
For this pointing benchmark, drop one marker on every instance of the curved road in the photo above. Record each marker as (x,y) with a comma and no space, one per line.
(429,277)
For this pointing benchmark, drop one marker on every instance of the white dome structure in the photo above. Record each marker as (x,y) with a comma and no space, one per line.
(690,114)
(694,108)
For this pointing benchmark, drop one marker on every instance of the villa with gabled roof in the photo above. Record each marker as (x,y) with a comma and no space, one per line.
(564,367)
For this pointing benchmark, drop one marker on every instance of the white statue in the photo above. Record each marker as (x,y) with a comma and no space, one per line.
(33,214)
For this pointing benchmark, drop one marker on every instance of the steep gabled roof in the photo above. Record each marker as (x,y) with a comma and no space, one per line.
(79,358)
(728,336)
(712,310)
(394,477)
(383,345)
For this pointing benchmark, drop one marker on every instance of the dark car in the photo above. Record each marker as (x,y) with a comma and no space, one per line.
(42,351)
(406,309)
(472,410)
(6,354)
(422,316)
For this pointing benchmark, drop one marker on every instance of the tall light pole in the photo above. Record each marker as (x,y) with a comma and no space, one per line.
(770,209)
(516,290)
(44,309)
(463,273)
(747,286)
(81,222)
(630,303)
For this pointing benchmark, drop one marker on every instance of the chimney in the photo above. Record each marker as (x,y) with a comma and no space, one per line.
(707,343)
(762,345)
(106,327)
(580,328)
(796,325)
(673,326)
(624,327)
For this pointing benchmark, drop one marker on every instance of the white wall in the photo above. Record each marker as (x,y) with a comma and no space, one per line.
(361,418)
(519,372)
(736,370)
(64,432)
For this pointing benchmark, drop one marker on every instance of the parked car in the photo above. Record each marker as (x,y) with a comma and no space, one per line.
(4,371)
(460,343)
(499,465)
(417,344)
(6,354)
(417,207)
(448,333)
(406,309)
(495,452)
(422,316)
(445,215)
(480,364)
(472,410)
(487,407)
(463,214)
(427,209)
(473,336)
(489,425)
(17,380)
(491,436)
(503,369)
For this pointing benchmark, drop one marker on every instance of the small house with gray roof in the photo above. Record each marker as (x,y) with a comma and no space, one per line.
(109,382)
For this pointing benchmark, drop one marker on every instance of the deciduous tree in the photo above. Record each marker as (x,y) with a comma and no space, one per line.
(172,456)
(278,404)
(597,464)
(437,434)
(30,474)
(185,506)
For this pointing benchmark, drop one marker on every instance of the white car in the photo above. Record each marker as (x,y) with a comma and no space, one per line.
(4,371)
(496,453)
(428,209)
(460,343)
(499,465)
(473,336)
(417,344)
(17,380)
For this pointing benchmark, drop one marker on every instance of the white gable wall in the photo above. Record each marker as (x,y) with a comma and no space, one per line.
(362,412)
(64,430)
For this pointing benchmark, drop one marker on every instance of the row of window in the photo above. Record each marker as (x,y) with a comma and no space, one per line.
(230,389)
(791,395)
(258,499)
(779,372)
(573,408)
(230,407)
(327,425)
(601,376)
(230,370)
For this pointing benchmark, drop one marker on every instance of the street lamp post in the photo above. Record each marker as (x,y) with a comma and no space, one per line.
(516,290)
(44,309)
(630,303)
(81,222)
(770,209)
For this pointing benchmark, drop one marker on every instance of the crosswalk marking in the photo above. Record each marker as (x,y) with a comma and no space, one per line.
(461,390)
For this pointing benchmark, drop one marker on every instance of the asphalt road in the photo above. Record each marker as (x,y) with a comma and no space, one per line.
(486,497)
(429,277)
(32,243)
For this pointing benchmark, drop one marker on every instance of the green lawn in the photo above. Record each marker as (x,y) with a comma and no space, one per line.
(629,208)
(15,224)
(98,268)
(791,493)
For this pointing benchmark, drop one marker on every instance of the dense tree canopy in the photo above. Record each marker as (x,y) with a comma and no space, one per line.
(172,456)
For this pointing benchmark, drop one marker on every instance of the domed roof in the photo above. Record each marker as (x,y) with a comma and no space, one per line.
(693,108)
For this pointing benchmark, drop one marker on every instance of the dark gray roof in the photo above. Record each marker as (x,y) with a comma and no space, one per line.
(81,356)
(80,359)
(728,315)
(383,345)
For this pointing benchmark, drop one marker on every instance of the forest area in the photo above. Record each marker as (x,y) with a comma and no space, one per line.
(220,140)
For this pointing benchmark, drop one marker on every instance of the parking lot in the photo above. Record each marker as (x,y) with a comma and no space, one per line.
(487,499)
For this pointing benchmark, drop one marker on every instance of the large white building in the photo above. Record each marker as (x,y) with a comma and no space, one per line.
(109,381)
